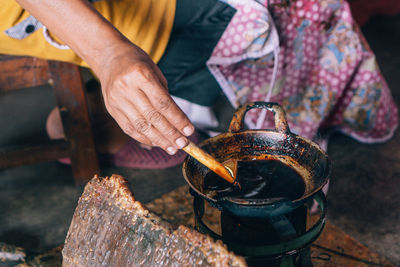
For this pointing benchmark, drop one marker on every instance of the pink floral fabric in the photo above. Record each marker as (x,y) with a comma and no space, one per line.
(327,76)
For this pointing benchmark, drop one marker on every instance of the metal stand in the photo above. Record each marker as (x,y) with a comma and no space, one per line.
(292,252)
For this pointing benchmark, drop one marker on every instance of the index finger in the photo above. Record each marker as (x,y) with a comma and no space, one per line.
(163,103)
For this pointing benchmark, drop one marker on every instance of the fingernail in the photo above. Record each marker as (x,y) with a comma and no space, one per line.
(181,142)
(171,150)
(188,130)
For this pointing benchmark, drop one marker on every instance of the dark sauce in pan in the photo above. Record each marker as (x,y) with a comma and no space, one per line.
(259,179)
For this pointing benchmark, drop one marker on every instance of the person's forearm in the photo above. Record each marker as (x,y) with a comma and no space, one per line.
(134,90)
(80,26)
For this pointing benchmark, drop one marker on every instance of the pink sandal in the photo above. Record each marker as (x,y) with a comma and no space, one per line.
(133,155)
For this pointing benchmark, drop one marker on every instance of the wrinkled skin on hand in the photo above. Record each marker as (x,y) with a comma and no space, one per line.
(136,95)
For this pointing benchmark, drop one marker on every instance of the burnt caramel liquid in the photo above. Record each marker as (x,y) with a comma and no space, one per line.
(259,179)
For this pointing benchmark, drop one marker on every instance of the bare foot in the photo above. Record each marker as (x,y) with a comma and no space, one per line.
(54,126)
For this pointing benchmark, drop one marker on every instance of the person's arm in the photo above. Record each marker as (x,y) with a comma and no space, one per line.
(134,89)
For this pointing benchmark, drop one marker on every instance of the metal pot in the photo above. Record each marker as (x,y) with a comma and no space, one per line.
(299,153)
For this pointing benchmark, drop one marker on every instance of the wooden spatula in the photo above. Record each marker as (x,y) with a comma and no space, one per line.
(226,172)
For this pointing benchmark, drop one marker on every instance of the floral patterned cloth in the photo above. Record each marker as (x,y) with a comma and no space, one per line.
(326,74)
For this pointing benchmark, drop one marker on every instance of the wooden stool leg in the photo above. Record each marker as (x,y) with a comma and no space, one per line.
(70,93)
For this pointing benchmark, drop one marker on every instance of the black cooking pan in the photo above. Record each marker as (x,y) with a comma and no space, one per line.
(299,153)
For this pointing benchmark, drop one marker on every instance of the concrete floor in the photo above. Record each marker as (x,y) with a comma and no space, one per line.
(37,202)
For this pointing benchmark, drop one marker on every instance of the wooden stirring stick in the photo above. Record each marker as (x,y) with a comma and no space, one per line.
(211,163)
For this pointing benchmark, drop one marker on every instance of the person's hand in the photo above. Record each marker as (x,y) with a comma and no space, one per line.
(135,94)
(134,89)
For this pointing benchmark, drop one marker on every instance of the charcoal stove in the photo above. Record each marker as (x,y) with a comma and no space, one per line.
(281,240)
(269,231)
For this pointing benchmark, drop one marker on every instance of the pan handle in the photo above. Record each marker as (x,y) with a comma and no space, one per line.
(281,125)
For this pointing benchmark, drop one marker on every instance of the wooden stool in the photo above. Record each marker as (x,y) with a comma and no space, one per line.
(65,78)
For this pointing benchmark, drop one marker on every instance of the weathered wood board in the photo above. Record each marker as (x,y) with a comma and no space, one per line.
(110,228)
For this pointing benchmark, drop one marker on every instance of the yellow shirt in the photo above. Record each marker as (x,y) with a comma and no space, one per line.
(146,23)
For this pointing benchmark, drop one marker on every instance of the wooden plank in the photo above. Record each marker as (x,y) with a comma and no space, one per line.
(22,72)
(71,98)
(24,155)
(336,248)
(110,228)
